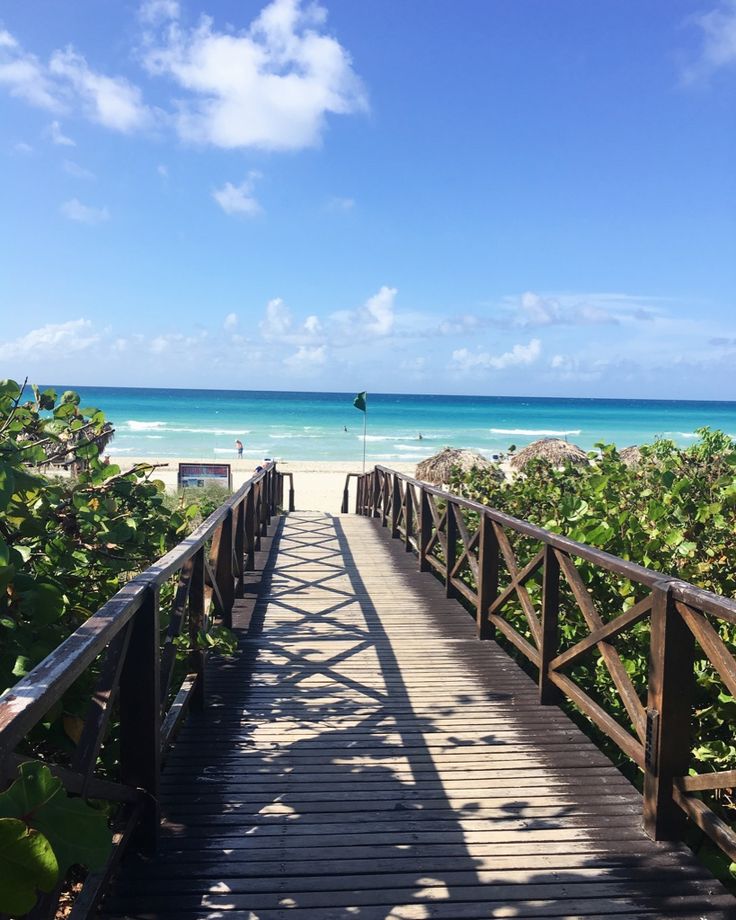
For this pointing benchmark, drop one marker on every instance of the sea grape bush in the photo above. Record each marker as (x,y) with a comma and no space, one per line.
(43,832)
(67,544)
(674,511)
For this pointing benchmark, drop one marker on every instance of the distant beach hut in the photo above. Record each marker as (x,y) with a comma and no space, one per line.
(556,452)
(437,469)
(631,456)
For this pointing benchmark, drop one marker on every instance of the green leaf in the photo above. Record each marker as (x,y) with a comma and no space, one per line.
(27,864)
(78,833)
(34,788)
(7,483)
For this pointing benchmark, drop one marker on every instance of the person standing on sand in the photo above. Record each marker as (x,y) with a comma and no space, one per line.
(239,447)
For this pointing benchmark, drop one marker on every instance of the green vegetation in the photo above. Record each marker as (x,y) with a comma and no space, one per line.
(673,511)
(43,832)
(67,544)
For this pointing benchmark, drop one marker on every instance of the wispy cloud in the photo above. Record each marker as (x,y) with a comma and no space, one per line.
(79,172)
(520,355)
(25,76)
(718,41)
(54,338)
(239,199)
(114,102)
(67,83)
(340,205)
(231,322)
(82,213)
(270,86)
(58,137)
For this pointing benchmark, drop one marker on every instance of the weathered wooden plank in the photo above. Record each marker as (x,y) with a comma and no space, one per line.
(365,755)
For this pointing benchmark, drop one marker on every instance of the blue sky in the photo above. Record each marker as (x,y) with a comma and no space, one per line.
(524,197)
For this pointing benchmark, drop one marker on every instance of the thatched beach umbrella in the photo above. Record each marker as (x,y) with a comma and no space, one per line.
(554,451)
(437,469)
(631,456)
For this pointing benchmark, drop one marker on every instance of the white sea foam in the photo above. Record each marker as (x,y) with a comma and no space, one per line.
(134,425)
(144,426)
(382,437)
(549,432)
(687,434)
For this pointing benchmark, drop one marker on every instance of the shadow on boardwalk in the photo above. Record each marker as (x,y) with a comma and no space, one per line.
(365,757)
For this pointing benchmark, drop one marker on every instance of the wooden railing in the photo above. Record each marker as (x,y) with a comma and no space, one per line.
(468,546)
(137,666)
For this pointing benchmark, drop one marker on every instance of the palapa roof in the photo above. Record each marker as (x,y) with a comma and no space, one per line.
(631,456)
(554,451)
(437,469)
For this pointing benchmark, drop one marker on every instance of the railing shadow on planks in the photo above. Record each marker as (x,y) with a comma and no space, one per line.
(469,546)
(137,667)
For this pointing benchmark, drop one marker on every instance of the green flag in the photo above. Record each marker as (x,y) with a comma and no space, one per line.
(360,402)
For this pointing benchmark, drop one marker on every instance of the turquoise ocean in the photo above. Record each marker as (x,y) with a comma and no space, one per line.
(203,424)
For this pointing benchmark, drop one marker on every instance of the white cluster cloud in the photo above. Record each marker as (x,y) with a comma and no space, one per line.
(231,322)
(270,86)
(84,214)
(277,321)
(378,313)
(53,338)
(307,357)
(67,83)
(239,199)
(520,355)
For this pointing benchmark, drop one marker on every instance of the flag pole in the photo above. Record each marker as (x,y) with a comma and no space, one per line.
(365,427)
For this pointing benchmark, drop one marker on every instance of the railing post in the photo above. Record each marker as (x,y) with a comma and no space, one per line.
(487,575)
(291,492)
(196,625)
(344,507)
(224,569)
(140,718)
(395,505)
(384,499)
(250,531)
(451,553)
(374,494)
(669,703)
(408,517)
(549,694)
(240,549)
(265,516)
(425,529)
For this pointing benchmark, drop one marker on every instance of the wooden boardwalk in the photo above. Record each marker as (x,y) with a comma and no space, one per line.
(365,756)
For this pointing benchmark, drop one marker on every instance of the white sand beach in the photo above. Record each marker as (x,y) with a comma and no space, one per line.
(318,484)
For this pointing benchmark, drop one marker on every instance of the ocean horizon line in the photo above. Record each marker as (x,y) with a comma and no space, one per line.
(380,393)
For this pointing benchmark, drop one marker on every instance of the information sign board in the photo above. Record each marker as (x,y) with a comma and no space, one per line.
(196,475)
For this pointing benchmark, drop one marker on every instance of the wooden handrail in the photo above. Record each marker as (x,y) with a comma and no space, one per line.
(432,523)
(135,675)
